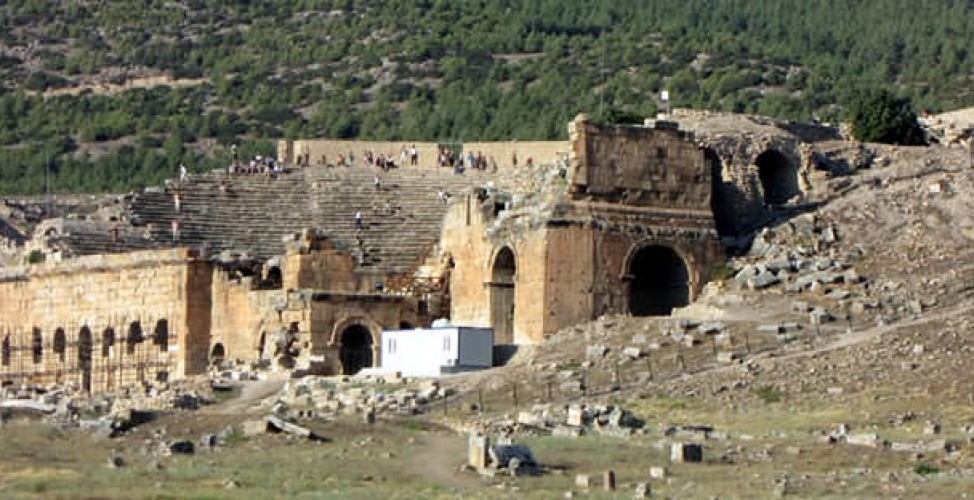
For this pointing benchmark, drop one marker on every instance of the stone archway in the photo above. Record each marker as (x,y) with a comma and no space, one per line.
(134,337)
(36,346)
(779,177)
(356,349)
(275,278)
(161,335)
(85,348)
(659,280)
(502,295)
(218,354)
(5,351)
(61,345)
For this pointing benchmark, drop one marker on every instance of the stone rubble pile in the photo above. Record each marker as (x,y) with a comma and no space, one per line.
(369,395)
(804,257)
(560,420)
(113,412)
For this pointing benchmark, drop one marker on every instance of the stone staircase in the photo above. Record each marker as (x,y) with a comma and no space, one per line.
(253,214)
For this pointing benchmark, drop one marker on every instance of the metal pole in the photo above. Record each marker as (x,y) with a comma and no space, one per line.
(47,183)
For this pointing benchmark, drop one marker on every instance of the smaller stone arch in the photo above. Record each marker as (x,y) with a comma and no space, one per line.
(37,346)
(5,351)
(60,344)
(218,354)
(161,335)
(107,341)
(357,340)
(85,347)
(405,325)
(134,338)
(779,176)
(503,294)
(275,278)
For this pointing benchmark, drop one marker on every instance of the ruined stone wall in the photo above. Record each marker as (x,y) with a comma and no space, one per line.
(638,166)
(740,203)
(463,239)
(572,263)
(105,321)
(324,269)
(241,314)
(475,254)
(320,319)
(502,151)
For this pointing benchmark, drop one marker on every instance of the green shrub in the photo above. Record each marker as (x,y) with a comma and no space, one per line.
(35,257)
(768,394)
(879,116)
(925,469)
(722,271)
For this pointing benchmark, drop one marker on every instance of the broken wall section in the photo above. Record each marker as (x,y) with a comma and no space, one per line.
(658,166)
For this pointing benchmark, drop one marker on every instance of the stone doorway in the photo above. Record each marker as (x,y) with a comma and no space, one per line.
(502,293)
(85,348)
(218,354)
(658,281)
(356,349)
(779,177)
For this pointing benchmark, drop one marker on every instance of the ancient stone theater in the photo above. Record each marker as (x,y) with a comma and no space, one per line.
(302,268)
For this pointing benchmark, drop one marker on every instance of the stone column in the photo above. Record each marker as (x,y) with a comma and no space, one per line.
(477,446)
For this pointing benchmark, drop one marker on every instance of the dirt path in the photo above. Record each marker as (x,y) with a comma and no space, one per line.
(439,459)
(251,394)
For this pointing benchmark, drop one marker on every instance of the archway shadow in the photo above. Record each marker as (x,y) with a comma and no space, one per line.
(504,353)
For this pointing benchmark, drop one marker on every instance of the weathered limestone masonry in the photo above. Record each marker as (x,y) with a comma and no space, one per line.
(105,321)
(334,308)
(764,165)
(633,233)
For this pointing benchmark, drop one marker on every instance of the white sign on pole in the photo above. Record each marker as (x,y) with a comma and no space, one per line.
(664,95)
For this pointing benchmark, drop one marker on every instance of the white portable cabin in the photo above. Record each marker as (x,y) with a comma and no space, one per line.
(431,352)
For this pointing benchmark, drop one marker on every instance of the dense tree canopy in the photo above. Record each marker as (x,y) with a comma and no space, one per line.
(879,116)
(254,71)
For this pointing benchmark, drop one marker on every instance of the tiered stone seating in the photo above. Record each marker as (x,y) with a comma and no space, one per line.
(252,214)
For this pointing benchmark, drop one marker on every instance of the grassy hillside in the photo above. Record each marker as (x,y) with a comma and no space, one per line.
(77,94)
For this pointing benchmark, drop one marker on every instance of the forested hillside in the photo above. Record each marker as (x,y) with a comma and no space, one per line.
(73,96)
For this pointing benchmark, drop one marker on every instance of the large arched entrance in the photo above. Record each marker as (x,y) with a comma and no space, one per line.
(356,350)
(659,281)
(779,177)
(502,296)
(85,348)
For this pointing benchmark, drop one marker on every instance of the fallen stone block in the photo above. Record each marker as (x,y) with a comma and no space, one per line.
(596,351)
(642,490)
(871,440)
(686,453)
(763,280)
(501,455)
(27,405)
(711,327)
(728,357)
(657,472)
(278,424)
(632,352)
(800,306)
(567,431)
